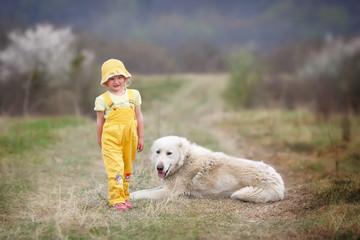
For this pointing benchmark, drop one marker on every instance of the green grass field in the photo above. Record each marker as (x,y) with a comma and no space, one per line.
(53,182)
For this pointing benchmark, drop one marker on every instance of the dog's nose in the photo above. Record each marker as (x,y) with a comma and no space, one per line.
(160,167)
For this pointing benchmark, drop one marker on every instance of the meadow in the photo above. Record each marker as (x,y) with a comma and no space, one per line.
(53,182)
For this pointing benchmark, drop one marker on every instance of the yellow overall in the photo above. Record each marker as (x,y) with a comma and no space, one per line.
(119,143)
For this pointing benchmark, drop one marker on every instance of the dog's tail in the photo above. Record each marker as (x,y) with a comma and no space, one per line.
(259,195)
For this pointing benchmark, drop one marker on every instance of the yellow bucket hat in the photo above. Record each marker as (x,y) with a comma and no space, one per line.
(111,68)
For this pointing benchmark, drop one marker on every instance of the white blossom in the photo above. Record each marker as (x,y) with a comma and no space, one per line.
(43,48)
(327,62)
(89,58)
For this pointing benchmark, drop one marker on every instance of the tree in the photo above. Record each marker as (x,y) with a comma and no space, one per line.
(42,50)
(245,74)
(334,72)
(78,75)
(328,70)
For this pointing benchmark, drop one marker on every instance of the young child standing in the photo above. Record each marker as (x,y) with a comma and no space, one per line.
(120,130)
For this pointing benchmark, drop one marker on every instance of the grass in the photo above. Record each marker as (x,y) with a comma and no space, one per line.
(18,135)
(300,133)
(22,160)
(156,89)
(55,187)
(310,148)
(337,190)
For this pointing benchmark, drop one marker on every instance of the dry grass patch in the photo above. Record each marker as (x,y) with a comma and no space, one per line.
(325,203)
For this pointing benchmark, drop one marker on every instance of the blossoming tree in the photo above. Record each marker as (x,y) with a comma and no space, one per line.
(42,49)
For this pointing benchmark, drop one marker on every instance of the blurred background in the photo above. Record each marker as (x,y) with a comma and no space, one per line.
(272,80)
(285,53)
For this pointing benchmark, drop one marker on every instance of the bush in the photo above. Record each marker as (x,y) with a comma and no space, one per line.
(245,74)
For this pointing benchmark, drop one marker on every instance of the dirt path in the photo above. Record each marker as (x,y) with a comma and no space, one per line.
(196,109)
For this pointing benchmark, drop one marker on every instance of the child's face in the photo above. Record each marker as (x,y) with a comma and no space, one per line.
(116,83)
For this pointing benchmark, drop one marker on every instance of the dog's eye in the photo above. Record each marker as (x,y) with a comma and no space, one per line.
(168,153)
(158,151)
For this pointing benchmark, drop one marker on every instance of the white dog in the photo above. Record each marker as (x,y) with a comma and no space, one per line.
(192,170)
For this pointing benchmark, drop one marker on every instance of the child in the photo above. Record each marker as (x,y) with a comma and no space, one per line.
(120,130)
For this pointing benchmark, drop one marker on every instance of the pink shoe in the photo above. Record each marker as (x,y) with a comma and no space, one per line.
(120,206)
(128,205)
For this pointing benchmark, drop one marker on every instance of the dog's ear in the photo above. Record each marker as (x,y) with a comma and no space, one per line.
(152,156)
(183,146)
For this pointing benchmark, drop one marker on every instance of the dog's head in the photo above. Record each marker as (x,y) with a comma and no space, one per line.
(168,154)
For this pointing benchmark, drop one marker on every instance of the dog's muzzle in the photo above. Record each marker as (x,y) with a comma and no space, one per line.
(160,169)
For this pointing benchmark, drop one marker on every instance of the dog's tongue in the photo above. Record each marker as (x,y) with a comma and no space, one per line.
(161,174)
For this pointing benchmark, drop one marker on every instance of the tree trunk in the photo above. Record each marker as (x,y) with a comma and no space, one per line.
(77,106)
(28,86)
(346,125)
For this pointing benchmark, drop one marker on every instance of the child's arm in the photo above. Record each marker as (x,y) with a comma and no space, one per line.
(99,125)
(140,128)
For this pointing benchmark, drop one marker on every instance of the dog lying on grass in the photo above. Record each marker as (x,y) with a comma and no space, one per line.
(189,169)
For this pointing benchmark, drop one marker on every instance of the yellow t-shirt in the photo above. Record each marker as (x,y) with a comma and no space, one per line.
(119,101)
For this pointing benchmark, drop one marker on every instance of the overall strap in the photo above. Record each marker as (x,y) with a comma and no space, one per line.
(131,97)
(107,98)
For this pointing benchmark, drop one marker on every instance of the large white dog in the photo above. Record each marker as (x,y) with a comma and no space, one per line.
(192,170)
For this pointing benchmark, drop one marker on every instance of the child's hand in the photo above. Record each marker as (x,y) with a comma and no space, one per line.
(140,145)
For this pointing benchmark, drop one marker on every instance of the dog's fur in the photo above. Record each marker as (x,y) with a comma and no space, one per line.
(192,170)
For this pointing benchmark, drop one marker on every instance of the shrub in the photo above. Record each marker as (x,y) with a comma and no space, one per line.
(245,74)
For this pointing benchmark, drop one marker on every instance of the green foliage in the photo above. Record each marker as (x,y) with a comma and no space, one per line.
(245,73)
